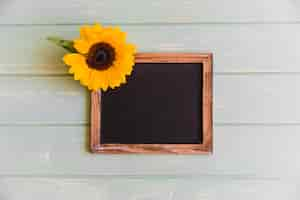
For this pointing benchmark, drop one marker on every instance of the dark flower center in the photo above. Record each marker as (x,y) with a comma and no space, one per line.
(101,56)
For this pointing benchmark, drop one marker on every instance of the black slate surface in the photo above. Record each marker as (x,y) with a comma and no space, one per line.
(160,104)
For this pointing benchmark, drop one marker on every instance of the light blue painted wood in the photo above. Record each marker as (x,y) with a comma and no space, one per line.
(140,189)
(269,152)
(43,100)
(155,11)
(257,99)
(238,99)
(44,113)
(237,48)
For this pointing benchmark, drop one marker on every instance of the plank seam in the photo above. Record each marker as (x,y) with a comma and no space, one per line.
(230,73)
(161,23)
(87,124)
(143,176)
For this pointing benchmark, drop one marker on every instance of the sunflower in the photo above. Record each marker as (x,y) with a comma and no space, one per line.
(100,58)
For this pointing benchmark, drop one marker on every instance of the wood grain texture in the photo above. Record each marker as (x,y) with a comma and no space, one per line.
(202,148)
(43,100)
(238,99)
(95,120)
(44,119)
(62,151)
(262,99)
(239,48)
(115,188)
(155,11)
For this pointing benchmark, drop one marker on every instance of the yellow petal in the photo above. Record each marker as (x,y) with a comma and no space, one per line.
(104,81)
(82,46)
(93,80)
(85,32)
(112,77)
(73,59)
(88,34)
(97,28)
(119,35)
(97,83)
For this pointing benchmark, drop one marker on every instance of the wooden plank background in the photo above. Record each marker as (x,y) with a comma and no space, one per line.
(46,150)
(44,114)
(155,11)
(153,188)
(237,48)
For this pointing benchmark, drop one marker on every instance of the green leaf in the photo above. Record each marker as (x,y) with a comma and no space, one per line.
(66,44)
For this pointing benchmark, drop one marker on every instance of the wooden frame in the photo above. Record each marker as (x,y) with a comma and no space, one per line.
(204,148)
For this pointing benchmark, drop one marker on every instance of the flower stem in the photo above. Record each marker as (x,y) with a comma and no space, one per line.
(66,44)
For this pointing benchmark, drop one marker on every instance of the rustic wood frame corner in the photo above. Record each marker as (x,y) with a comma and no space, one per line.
(202,148)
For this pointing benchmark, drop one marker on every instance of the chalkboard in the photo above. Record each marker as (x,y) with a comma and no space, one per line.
(165,107)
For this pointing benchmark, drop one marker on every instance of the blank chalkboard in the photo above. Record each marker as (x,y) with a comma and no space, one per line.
(159,109)
(160,104)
